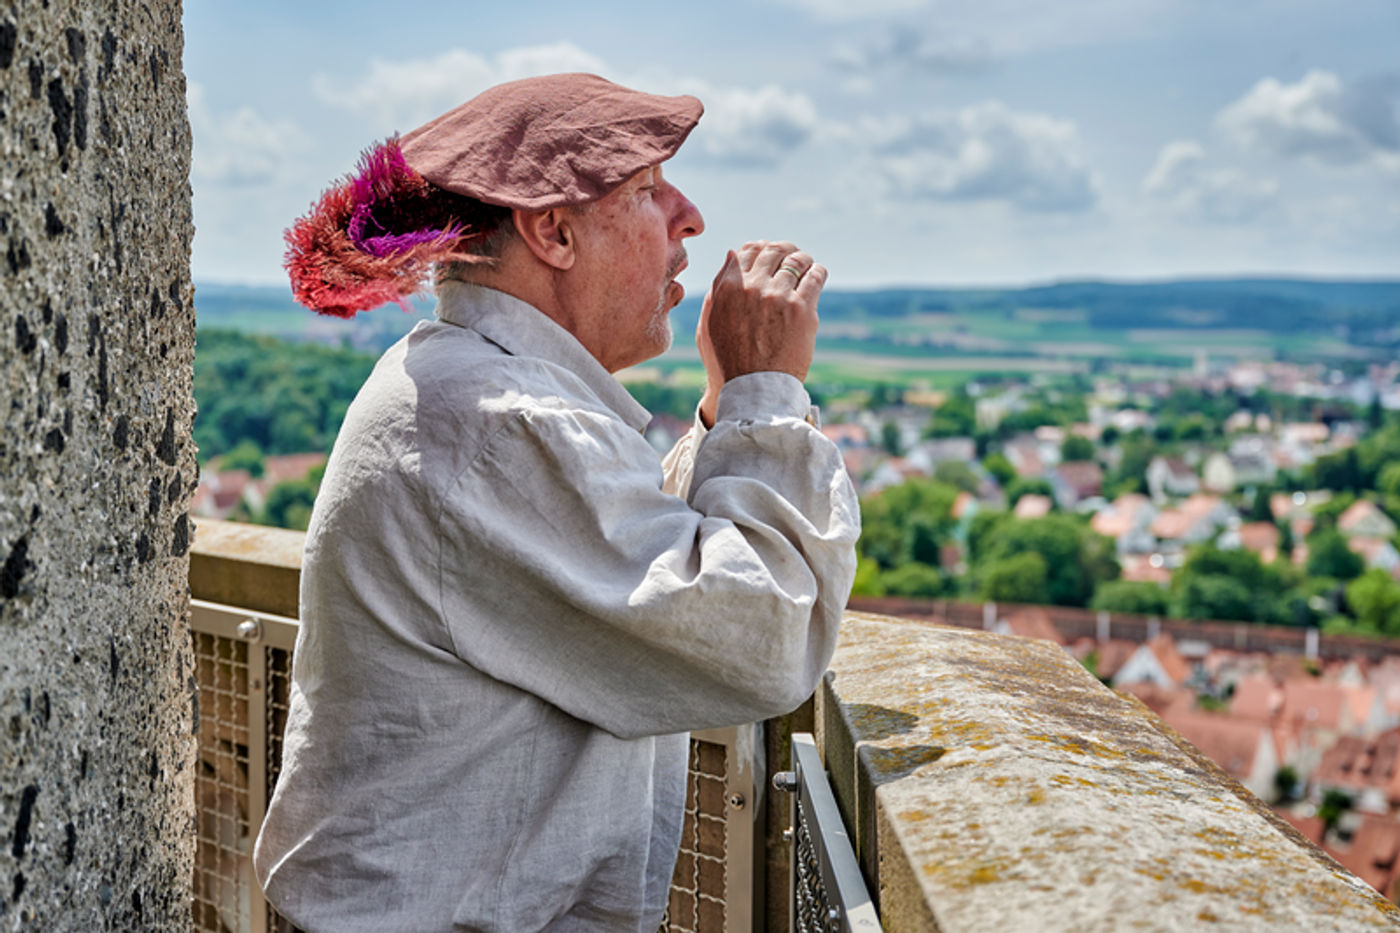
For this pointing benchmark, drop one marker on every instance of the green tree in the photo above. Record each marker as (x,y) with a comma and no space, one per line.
(957,417)
(957,474)
(1132,596)
(1330,556)
(1020,578)
(1213,597)
(1286,784)
(1325,514)
(1338,471)
(1076,559)
(867,582)
(1259,508)
(1334,804)
(1388,482)
(1230,584)
(245,455)
(1374,599)
(1000,468)
(289,504)
(913,580)
(1023,485)
(1077,448)
(915,515)
(889,439)
(1131,473)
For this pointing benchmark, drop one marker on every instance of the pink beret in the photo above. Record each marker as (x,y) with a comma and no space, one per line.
(550,141)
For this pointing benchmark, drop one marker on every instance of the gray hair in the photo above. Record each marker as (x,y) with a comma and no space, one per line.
(488,250)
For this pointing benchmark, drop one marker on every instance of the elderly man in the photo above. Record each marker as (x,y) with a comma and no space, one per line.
(512,613)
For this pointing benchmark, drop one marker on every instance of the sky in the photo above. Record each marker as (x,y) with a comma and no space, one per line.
(901,142)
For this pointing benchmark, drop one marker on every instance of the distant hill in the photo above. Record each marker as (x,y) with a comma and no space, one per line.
(1360,313)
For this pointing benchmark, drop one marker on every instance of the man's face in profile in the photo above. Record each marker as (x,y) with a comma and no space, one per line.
(630,247)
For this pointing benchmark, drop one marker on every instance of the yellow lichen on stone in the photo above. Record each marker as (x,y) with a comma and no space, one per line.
(1009,781)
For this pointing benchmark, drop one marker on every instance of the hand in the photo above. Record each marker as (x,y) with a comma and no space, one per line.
(760,316)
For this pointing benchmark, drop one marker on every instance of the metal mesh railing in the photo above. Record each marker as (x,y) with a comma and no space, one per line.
(697,898)
(222,883)
(243,668)
(828,893)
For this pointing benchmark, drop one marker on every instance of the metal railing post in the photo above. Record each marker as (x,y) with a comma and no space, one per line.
(827,890)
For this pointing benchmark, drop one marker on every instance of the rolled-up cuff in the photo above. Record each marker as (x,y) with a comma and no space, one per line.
(763,396)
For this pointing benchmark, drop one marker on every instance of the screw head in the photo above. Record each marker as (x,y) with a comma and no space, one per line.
(249,630)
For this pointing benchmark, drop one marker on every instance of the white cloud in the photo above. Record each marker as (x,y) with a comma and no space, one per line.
(985,152)
(398,96)
(238,149)
(753,128)
(1319,118)
(1183,179)
(743,127)
(903,47)
(854,9)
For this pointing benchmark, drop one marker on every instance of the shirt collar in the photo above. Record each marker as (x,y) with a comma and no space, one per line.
(521,329)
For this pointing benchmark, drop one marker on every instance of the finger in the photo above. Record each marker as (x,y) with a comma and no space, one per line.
(811,285)
(768,259)
(748,252)
(794,266)
(731,262)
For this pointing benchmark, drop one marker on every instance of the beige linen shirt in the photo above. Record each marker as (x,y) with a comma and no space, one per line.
(511,617)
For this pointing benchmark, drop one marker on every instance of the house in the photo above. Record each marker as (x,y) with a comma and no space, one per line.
(1169,476)
(1304,434)
(1371,853)
(1030,622)
(943,450)
(1378,553)
(219,494)
(1218,473)
(847,435)
(1260,537)
(1145,568)
(1367,769)
(1364,519)
(893,472)
(1195,520)
(1033,505)
(1075,481)
(1253,467)
(1243,747)
(1161,700)
(1127,420)
(1126,520)
(1156,661)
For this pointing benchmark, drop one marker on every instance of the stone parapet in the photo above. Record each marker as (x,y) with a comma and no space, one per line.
(250,566)
(991,783)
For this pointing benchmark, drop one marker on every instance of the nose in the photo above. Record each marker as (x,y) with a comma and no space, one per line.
(685,218)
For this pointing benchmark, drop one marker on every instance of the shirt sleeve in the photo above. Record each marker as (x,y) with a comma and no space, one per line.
(572,567)
(678,465)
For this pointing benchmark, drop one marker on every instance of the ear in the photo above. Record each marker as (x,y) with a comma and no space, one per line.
(548,234)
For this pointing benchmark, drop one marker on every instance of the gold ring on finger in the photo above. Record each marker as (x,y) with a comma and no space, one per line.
(796,273)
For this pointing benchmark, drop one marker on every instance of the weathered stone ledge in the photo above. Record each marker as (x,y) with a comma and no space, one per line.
(250,566)
(992,784)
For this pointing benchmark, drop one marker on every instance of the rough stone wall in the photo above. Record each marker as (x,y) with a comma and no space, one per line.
(96,468)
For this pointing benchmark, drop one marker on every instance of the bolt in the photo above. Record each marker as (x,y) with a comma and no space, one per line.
(249,630)
(785,781)
(736,801)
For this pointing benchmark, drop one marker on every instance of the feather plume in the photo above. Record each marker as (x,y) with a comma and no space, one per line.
(374,238)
